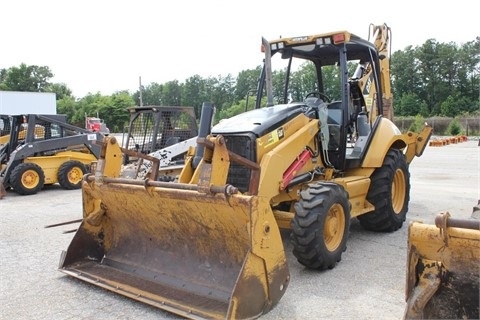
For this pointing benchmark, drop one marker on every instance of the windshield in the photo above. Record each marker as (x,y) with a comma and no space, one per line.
(313,64)
(294,80)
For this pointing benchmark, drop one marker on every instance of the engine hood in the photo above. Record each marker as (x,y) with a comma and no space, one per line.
(259,121)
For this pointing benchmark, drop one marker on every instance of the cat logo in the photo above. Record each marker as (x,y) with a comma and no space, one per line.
(280,133)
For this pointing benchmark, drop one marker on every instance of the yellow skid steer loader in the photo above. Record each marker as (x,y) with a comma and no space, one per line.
(44,150)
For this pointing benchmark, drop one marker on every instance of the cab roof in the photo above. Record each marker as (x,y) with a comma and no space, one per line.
(324,47)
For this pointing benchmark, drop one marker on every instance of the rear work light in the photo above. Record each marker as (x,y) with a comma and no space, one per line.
(338,38)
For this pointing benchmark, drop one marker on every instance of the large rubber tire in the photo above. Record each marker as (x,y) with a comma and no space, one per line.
(390,193)
(27,178)
(321,225)
(70,174)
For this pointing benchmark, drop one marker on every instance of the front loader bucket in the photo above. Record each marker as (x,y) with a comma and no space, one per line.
(443,269)
(168,245)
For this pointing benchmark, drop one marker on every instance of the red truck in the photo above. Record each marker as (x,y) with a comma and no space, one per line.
(96,124)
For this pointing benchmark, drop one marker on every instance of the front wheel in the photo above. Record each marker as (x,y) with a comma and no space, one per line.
(390,193)
(27,178)
(321,225)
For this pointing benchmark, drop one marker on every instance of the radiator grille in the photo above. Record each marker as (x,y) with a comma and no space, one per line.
(239,175)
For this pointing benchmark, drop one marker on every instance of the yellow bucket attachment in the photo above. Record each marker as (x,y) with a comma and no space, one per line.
(199,255)
(443,269)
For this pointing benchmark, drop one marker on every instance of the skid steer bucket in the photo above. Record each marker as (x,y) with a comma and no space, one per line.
(443,269)
(199,255)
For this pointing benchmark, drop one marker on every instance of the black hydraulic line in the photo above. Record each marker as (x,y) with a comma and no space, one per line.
(299,179)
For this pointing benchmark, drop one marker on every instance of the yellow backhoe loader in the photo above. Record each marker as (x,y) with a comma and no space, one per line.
(208,245)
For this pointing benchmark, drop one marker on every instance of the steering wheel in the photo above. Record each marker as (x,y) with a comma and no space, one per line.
(318,94)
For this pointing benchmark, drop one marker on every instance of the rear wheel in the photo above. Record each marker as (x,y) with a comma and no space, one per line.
(70,174)
(390,193)
(27,178)
(321,225)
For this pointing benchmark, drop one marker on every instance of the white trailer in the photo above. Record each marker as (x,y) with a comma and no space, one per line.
(16,102)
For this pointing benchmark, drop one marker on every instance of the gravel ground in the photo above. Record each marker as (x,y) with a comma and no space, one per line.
(367,284)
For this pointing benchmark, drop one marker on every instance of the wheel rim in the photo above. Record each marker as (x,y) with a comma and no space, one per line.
(75,175)
(398,191)
(30,179)
(334,227)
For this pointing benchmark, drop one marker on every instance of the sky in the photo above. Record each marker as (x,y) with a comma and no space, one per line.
(107,46)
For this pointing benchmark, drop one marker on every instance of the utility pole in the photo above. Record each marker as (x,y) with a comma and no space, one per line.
(140,90)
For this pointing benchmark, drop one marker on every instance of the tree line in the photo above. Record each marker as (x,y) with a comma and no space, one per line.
(434,79)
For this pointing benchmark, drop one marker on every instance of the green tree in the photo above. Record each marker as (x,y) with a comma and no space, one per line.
(278,85)
(90,105)
(469,72)
(193,93)
(3,76)
(60,89)
(112,109)
(116,114)
(222,94)
(409,104)
(67,105)
(406,104)
(331,82)
(231,111)
(246,83)
(455,104)
(417,124)
(424,111)
(454,127)
(436,71)
(26,78)
(303,81)
(151,95)
(448,107)
(171,94)
(405,78)
(429,71)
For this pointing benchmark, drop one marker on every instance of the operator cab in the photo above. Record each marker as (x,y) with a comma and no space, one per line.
(339,70)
